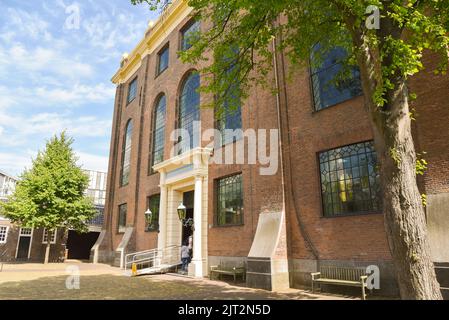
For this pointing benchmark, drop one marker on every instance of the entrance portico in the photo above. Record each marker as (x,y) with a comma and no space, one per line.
(185,173)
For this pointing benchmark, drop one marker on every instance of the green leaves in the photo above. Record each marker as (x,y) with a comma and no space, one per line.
(51,193)
(421,164)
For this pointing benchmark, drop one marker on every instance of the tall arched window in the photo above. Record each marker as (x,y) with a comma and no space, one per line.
(158,133)
(126,154)
(189,110)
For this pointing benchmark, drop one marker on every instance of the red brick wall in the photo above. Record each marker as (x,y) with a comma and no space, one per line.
(261,193)
(432,125)
(358,237)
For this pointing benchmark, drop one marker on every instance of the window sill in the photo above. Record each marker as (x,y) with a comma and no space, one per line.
(228,225)
(159,73)
(129,102)
(335,104)
(353,214)
(229,143)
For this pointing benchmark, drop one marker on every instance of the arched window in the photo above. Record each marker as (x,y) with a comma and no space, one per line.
(126,154)
(189,110)
(158,133)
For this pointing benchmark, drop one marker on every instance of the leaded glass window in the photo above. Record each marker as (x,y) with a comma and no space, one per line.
(189,35)
(122,212)
(230,201)
(229,124)
(126,154)
(153,204)
(328,88)
(230,114)
(132,91)
(159,132)
(350,180)
(189,111)
(163,60)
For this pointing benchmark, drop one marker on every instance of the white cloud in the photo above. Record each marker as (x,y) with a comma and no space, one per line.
(8,98)
(92,162)
(30,24)
(78,94)
(18,128)
(52,78)
(75,95)
(18,58)
(14,163)
(107,32)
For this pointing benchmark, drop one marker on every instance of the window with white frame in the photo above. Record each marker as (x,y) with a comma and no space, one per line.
(53,236)
(3,234)
(26,231)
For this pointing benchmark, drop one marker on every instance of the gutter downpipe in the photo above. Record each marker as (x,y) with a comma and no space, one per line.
(284,191)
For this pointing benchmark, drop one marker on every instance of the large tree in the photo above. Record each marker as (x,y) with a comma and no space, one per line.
(387,52)
(51,194)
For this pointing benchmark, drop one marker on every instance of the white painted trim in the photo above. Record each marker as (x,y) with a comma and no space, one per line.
(6,234)
(25,236)
(55,233)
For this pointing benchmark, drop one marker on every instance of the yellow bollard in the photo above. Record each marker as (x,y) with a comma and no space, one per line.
(134,270)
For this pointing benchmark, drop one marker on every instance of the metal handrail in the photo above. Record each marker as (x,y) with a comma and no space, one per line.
(155,257)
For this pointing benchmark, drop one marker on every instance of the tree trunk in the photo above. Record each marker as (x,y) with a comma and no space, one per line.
(404,216)
(405,221)
(47,248)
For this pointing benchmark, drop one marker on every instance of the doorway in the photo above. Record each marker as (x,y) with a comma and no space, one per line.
(188,201)
(80,244)
(24,244)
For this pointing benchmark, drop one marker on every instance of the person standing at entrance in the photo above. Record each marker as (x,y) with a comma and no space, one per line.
(185,256)
(190,248)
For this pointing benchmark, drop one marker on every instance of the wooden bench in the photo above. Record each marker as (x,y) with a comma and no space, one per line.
(344,276)
(228,270)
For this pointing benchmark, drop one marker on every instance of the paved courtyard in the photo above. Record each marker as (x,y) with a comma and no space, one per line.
(98,282)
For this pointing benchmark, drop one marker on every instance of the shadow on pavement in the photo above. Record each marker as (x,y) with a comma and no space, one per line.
(109,287)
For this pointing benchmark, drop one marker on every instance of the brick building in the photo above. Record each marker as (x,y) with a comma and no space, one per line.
(329,211)
(26,244)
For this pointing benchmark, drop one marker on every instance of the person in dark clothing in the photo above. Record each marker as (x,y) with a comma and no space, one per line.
(185,256)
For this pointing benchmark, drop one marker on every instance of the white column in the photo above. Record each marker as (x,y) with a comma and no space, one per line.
(197,234)
(162,236)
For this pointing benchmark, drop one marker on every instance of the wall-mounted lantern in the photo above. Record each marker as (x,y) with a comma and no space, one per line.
(148,217)
(182,213)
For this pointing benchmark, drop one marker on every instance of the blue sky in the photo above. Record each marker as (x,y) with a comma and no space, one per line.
(55,74)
